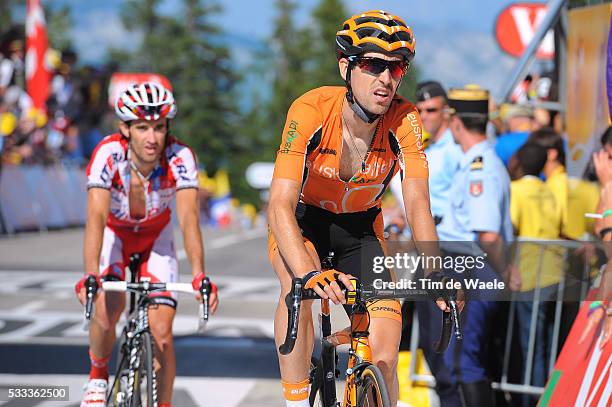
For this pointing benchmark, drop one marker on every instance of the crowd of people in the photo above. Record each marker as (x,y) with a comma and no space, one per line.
(66,130)
(545,205)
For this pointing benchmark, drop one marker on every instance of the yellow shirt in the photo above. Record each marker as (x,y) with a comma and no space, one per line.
(535,215)
(575,197)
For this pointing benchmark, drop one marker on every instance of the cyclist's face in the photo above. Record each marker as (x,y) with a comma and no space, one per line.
(147,138)
(432,114)
(374,91)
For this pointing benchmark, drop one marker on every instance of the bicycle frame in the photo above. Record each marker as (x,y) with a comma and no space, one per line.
(137,323)
(360,354)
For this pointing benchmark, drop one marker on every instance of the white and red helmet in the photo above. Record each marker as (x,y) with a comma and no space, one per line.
(145,101)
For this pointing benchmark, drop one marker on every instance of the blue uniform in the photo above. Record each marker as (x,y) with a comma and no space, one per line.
(479,202)
(443,157)
(479,198)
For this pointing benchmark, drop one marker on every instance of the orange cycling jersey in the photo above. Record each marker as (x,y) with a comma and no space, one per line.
(312,142)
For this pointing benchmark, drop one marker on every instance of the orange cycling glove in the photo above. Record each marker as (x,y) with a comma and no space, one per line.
(320,278)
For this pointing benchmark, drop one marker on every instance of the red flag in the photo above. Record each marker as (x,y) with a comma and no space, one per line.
(38,75)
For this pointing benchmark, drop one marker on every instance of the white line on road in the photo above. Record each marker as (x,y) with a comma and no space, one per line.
(30,307)
(228,240)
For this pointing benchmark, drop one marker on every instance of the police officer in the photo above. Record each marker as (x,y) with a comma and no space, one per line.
(443,156)
(476,223)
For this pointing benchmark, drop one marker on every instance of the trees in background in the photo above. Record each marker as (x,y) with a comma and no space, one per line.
(303,58)
(229,124)
(189,48)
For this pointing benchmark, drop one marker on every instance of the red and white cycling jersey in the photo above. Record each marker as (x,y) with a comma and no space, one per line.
(109,168)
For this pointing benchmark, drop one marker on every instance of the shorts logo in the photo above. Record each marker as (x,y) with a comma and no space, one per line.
(385,309)
(328,151)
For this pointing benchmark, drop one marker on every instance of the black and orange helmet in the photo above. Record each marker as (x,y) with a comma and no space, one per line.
(375,31)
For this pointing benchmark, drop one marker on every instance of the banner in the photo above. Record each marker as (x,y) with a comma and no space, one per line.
(516,25)
(121,80)
(587,106)
(582,374)
(38,76)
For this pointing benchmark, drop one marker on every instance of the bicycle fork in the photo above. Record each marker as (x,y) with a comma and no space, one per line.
(328,357)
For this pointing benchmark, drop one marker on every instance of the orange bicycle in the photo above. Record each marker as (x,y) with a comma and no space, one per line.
(365,384)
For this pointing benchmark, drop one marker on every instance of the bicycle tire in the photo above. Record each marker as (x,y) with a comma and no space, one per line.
(372,389)
(315,397)
(145,386)
(119,383)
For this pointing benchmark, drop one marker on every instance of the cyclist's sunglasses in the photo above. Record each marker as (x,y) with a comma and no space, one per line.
(376,66)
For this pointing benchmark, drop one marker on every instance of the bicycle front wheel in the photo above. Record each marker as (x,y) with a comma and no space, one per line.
(372,390)
(145,386)
(316,387)
(117,393)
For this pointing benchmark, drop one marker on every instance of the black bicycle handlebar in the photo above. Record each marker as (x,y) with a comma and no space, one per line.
(205,290)
(449,320)
(91,288)
(297,294)
(294,300)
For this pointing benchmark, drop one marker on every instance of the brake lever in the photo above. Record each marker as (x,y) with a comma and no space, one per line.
(204,305)
(91,288)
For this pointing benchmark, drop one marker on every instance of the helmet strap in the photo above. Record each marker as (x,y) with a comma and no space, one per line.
(359,110)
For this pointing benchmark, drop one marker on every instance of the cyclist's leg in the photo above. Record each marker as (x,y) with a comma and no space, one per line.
(385,335)
(161,265)
(108,307)
(295,366)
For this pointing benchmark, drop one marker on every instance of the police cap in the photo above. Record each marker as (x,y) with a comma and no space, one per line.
(429,89)
(470,101)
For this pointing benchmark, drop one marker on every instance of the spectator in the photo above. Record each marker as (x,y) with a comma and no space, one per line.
(518,122)
(574,197)
(602,308)
(535,215)
(12,73)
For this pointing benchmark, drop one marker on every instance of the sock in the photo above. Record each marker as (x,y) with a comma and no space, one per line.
(99,367)
(296,394)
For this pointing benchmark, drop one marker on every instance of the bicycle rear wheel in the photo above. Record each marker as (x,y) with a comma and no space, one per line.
(145,386)
(372,389)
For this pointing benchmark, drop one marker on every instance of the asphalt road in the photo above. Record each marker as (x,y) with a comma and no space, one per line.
(232,363)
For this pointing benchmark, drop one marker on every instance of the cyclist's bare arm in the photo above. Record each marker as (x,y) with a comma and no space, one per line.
(415,192)
(98,206)
(284,196)
(188,215)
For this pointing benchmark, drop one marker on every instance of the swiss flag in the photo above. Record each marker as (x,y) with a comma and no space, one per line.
(38,75)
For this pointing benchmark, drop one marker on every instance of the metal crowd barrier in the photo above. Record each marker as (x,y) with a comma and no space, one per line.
(41,198)
(525,386)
